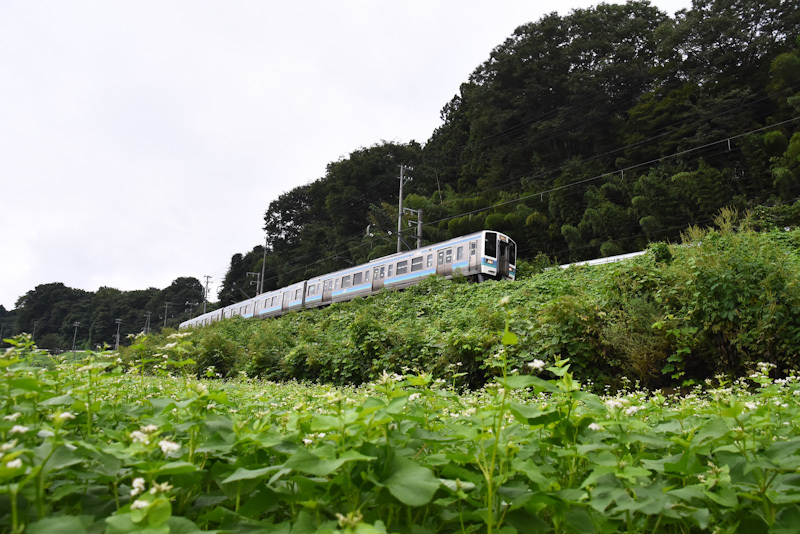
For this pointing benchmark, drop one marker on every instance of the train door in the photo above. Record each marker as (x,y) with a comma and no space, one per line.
(505,256)
(473,266)
(444,262)
(285,301)
(327,291)
(378,275)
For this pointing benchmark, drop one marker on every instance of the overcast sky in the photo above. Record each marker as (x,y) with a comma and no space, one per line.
(141,141)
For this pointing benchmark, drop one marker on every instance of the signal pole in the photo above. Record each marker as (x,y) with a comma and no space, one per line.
(76,324)
(418,223)
(403,180)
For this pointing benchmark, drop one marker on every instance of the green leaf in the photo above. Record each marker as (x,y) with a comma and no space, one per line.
(49,525)
(249,474)
(411,483)
(306,461)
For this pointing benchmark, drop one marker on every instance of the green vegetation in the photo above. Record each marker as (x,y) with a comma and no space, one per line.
(102,446)
(716,304)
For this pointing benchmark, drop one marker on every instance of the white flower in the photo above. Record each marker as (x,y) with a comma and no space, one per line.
(168,446)
(13,417)
(14,464)
(413,397)
(140,437)
(5,447)
(595,427)
(18,429)
(160,488)
(138,486)
(308,441)
(139,504)
(632,410)
(751,405)
(64,416)
(536,365)
(148,429)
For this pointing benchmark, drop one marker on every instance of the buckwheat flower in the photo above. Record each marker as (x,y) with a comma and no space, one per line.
(632,410)
(18,429)
(138,486)
(504,301)
(5,447)
(168,447)
(751,405)
(169,346)
(149,429)
(64,416)
(536,365)
(160,488)
(13,417)
(140,437)
(308,441)
(139,504)
(595,427)
(14,464)
(413,397)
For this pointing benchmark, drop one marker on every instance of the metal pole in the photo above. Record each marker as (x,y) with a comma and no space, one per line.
(419,228)
(119,322)
(263,266)
(76,324)
(403,180)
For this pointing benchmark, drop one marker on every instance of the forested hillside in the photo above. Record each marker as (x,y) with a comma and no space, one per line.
(583,135)
(50,312)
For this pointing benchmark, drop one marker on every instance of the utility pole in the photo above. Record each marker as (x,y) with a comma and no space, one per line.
(418,223)
(147,322)
(166,311)
(119,322)
(205,295)
(33,336)
(256,282)
(403,180)
(189,306)
(76,324)
(263,264)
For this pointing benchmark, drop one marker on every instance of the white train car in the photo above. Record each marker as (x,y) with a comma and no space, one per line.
(480,256)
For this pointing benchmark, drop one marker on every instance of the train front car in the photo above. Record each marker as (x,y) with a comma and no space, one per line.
(498,257)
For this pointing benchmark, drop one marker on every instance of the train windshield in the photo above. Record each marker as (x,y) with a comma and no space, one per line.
(490,245)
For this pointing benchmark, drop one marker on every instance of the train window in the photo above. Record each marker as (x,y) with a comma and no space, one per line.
(357,278)
(460,253)
(490,245)
(375,273)
(311,289)
(241,310)
(402,267)
(382,271)
(429,263)
(512,253)
(336,284)
(346,281)
(416,264)
(366,275)
(440,257)
(448,255)
(298,294)
(472,248)
(390,273)
(275,300)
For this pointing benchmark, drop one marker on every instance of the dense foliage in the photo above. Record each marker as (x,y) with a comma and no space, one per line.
(102,446)
(583,135)
(717,303)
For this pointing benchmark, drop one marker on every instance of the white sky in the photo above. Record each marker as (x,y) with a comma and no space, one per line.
(141,141)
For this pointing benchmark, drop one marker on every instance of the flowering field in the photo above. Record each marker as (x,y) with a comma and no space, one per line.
(103,446)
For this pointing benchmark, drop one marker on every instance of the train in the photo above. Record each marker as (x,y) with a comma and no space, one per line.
(484,255)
